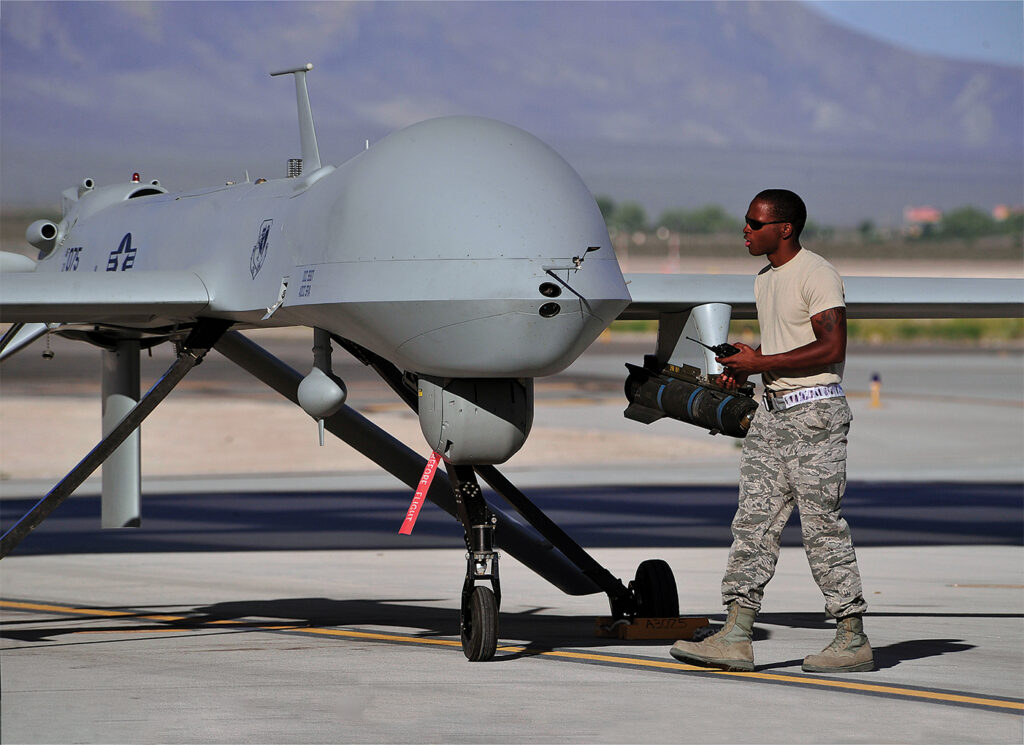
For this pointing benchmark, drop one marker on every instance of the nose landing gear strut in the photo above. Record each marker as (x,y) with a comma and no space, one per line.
(479,612)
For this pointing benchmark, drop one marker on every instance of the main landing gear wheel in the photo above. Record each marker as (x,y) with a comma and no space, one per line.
(654,590)
(480,625)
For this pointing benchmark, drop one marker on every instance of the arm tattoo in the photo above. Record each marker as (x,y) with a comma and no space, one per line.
(831,319)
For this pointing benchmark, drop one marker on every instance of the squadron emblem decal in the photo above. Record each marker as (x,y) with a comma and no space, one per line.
(259,251)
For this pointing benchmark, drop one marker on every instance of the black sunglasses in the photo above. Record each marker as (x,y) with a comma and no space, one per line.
(757,224)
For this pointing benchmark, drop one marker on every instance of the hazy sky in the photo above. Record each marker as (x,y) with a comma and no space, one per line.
(979,31)
(181,89)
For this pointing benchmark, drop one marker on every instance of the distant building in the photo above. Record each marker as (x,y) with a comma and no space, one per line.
(922,215)
(916,220)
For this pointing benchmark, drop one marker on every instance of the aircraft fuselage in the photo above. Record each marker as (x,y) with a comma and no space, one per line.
(447,248)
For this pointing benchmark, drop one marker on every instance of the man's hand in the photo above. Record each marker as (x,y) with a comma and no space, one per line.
(739,366)
(730,382)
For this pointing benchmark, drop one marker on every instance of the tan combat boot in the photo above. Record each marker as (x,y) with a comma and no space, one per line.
(729,649)
(849,652)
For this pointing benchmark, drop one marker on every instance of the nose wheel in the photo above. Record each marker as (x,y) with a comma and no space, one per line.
(480,624)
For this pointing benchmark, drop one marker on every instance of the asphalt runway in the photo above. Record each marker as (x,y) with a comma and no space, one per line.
(285,607)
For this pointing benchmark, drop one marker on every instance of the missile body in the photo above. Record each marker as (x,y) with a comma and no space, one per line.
(653,395)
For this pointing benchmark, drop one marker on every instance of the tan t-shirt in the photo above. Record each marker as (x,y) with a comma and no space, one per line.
(786,298)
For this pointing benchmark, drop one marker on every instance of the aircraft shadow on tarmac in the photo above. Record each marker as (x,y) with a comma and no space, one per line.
(533,630)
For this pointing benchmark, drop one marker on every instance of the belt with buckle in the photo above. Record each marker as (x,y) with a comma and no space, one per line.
(779,401)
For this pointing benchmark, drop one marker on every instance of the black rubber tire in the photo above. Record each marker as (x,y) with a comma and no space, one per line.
(480,625)
(655,590)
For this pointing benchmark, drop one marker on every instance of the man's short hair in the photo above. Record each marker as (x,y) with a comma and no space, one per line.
(785,205)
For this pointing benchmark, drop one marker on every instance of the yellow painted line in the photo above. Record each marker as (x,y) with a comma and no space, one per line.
(166,630)
(179,629)
(62,609)
(894,691)
(624,661)
(381,637)
(100,613)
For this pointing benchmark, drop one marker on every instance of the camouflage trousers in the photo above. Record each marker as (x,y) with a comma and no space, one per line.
(795,458)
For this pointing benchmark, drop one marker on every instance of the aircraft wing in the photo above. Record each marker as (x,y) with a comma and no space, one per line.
(95,297)
(866,297)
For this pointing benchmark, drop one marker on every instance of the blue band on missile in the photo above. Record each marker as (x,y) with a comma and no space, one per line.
(718,413)
(659,398)
(690,401)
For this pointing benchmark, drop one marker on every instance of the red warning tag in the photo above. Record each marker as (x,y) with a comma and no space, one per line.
(420,495)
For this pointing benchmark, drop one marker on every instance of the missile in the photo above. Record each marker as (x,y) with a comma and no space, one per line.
(653,394)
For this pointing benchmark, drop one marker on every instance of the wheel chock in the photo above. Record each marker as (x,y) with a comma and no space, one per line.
(648,628)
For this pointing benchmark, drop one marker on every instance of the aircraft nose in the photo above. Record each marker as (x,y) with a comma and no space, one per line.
(515,337)
(451,252)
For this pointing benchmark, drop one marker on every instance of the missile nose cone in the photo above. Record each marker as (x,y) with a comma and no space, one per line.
(321,394)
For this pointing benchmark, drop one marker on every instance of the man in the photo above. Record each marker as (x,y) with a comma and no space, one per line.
(795,452)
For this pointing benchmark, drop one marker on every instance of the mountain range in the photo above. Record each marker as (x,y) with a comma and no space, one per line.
(666,103)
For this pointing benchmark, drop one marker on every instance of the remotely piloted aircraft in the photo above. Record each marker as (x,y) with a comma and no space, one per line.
(460,258)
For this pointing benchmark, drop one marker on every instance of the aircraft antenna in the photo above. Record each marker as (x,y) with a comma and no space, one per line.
(307,134)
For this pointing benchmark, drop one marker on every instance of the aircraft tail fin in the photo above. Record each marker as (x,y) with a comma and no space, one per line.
(307,134)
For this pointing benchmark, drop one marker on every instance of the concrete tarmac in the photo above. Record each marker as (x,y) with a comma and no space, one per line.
(361,645)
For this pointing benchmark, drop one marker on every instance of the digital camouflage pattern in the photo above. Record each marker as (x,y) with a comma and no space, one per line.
(795,458)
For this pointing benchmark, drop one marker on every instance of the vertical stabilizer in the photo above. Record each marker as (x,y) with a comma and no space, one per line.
(307,134)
